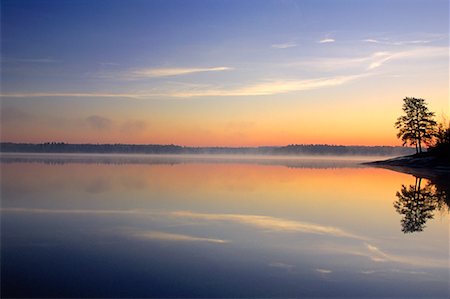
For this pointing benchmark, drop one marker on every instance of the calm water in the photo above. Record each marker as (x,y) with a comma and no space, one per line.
(146,226)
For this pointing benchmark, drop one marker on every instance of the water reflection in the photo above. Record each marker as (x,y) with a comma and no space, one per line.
(418,203)
(130,226)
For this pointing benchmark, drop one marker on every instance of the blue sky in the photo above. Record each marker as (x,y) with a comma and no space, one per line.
(221,59)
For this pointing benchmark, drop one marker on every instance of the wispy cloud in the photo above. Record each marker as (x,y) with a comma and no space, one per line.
(324,271)
(327,40)
(169,72)
(258,89)
(163,236)
(284,45)
(396,43)
(271,87)
(417,39)
(362,67)
(373,60)
(370,40)
(380,58)
(149,73)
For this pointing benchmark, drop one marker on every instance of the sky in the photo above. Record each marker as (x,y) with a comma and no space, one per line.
(219,72)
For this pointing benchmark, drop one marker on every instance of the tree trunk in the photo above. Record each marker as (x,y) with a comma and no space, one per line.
(419,138)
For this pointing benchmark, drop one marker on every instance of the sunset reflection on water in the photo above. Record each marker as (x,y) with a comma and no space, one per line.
(192,228)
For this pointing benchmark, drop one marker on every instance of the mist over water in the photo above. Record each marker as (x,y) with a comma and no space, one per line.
(309,161)
(81,225)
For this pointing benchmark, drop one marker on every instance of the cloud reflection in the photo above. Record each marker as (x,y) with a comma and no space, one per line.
(377,255)
(270,223)
(281,266)
(263,222)
(267,223)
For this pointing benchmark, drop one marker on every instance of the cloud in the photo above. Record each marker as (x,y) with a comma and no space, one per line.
(398,43)
(156,235)
(324,271)
(284,45)
(259,89)
(332,63)
(271,87)
(365,64)
(369,40)
(98,122)
(373,60)
(168,72)
(380,58)
(327,40)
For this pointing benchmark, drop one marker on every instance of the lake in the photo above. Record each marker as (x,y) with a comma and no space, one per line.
(206,226)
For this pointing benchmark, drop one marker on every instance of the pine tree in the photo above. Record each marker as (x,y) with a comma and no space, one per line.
(417,125)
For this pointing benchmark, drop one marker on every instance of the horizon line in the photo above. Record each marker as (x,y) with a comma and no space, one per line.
(197,146)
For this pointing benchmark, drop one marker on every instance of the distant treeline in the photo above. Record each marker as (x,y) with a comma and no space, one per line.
(293,149)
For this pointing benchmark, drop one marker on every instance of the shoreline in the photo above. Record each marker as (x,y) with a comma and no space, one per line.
(426,167)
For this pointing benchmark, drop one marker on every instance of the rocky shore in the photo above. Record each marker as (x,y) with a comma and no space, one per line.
(420,165)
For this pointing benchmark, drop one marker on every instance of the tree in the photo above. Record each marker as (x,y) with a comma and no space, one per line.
(440,150)
(417,126)
(443,134)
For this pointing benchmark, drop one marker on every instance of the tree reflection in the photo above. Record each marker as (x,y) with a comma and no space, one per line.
(418,204)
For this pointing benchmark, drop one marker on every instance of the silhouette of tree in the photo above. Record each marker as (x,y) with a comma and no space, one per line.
(443,133)
(416,204)
(441,148)
(417,125)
